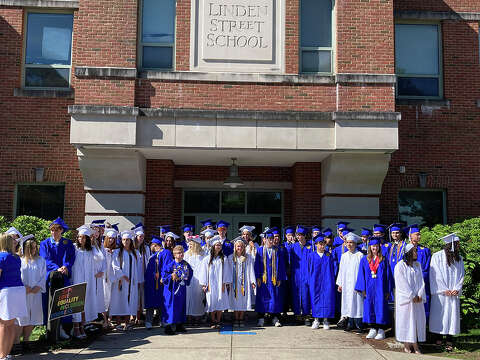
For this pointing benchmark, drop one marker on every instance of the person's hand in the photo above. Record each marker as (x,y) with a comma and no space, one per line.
(364,293)
(454,293)
(35,290)
(253,285)
(447,293)
(204,288)
(175,276)
(339,289)
(223,288)
(259,282)
(99,275)
(124,277)
(279,282)
(27,289)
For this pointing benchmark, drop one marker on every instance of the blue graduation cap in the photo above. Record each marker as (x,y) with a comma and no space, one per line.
(289,230)
(268,233)
(412,229)
(187,227)
(327,232)
(115,226)
(301,230)
(156,240)
(342,225)
(163,228)
(316,228)
(366,232)
(137,226)
(346,231)
(318,238)
(396,227)
(59,221)
(374,241)
(380,228)
(98,223)
(274,230)
(207,222)
(222,223)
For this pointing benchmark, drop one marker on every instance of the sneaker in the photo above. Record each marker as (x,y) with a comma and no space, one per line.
(276,322)
(380,334)
(261,322)
(326,325)
(371,334)
(63,335)
(316,324)
(148,325)
(342,323)
(308,322)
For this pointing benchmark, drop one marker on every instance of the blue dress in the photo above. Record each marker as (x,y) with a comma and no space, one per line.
(175,292)
(299,290)
(11,274)
(154,287)
(321,280)
(375,304)
(269,296)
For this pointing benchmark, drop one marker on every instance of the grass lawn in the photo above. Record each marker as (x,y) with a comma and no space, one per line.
(467,346)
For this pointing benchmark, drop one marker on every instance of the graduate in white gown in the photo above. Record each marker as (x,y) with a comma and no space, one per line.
(100,268)
(109,246)
(243,281)
(124,301)
(352,301)
(145,253)
(447,273)
(34,274)
(215,279)
(195,295)
(410,295)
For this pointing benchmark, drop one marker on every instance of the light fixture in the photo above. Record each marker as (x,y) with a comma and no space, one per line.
(39,174)
(233,180)
(422,180)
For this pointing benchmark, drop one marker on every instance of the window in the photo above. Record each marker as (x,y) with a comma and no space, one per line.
(418,60)
(316,36)
(423,207)
(48,50)
(157,34)
(44,201)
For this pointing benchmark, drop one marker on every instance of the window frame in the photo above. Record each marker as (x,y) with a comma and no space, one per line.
(313,48)
(15,196)
(440,61)
(141,44)
(444,200)
(41,66)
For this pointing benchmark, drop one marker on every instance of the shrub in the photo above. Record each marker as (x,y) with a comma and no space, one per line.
(34,225)
(469,233)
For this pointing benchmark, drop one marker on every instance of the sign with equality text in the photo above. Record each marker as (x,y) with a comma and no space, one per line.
(68,301)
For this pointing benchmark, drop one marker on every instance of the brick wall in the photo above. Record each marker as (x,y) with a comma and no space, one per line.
(306,193)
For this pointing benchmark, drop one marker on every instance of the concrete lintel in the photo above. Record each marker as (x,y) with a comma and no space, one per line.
(236,114)
(59,4)
(108,72)
(274,185)
(437,15)
(103,110)
(237,77)
(364,115)
(424,102)
(366,78)
(43,93)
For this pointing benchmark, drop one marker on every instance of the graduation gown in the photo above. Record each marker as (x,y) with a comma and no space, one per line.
(375,304)
(410,320)
(83,271)
(394,255)
(446,308)
(124,299)
(352,301)
(298,287)
(227,247)
(142,267)
(100,266)
(33,274)
(243,276)
(269,296)
(195,294)
(213,276)
(154,287)
(175,292)
(321,281)
(107,278)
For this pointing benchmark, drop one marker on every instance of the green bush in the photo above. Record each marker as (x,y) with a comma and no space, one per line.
(469,233)
(3,224)
(31,225)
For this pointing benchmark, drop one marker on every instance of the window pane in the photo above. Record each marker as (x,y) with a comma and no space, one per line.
(421,207)
(157,57)
(44,201)
(233,202)
(264,203)
(201,202)
(46,77)
(158,21)
(316,23)
(49,39)
(416,49)
(316,61)
(276,222)
(417,86)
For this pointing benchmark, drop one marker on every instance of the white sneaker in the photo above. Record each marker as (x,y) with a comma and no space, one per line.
(261,322)
(316,324)
(371,334)
(63,335)
(276,322)
(148,325)
(380,334)
(326,325)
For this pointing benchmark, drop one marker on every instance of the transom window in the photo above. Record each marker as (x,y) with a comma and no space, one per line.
(44,201)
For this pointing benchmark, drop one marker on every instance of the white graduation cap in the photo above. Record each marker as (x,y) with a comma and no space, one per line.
(246,228)
(196,239)
(208,232)
(127,234)
(353,237)
(13,231)
(408,247)
(111,233)
(216,239)
(238,239)
(450,238)
(23,239)
(139,231)
(85,230)
(171,234)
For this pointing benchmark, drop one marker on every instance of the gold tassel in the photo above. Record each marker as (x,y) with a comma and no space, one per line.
(274,269)
(264,266)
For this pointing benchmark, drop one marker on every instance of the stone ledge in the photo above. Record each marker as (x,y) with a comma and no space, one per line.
(425,102)
(63,4)
(103,110)
(437,15)
(236,114)
(43,93)
(114,72)
(366,78)
(236,77)
(364,115)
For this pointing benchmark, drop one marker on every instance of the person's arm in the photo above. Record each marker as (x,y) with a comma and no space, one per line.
(403,292)
(360,285)
(44,253)
(457,291)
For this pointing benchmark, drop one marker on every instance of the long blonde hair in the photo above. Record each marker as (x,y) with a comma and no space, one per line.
(242,256)
(27,250)
(7,243)
(194,248)
(379,254)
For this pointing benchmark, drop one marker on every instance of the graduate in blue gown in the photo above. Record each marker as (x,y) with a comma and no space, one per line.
(395,252)
(321,282)
(282,251)
(338,240)
(227,246)
(365,235)
(187,233)
(328,236)
(379,232)
(375,282)
(176,276)
(289,241)
(299,291)
(153,278)
(59,255)
(270,272)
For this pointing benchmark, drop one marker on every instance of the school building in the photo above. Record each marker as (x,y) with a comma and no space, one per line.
(132,110)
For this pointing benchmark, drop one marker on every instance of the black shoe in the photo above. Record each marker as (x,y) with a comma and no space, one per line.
(181,328)
(348,328)
(342,323)
(358,331)
(169,330)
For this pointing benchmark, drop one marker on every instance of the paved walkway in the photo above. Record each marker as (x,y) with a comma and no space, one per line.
(288,342)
